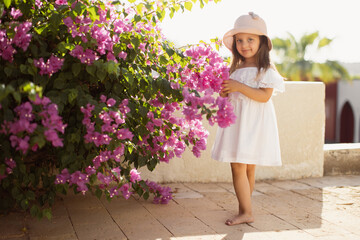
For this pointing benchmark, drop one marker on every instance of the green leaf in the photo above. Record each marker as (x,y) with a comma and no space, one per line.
(135,42)
(98,193)
(23,68)
(188,5)
(163,60)
(39,140)
(59,83)
(7,3)
(8,71)
(24,204)
(17,96)
(140,8)
(324,42)
(93,13)
(140,191)
(146,195)
(91,69)
(47,213)
(76,68)
(73,93)
(101,74)
(34,211)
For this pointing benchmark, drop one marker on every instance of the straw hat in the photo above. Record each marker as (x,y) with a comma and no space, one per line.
(250,23)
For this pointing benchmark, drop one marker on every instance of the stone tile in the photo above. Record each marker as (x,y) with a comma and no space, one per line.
(89,216)
(205,187)
(100,231)
(135,220)
(178,220)
(200,237)
(79,201)
(198,204)
(12,225)
(290,185)
(227,186)
(343,220)
(290,234)
(225,200)
(265,187)
(187,195)
(269,222)
(311,193)
(59,227)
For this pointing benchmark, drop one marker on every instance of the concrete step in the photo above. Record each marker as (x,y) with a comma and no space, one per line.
(341,159)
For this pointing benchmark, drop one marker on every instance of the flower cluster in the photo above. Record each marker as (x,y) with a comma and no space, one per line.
(112,121)
(76,178)
(11,164)
(52,65)
(162,194)
(27,121)
(21,38)
(205,74)
(112,129)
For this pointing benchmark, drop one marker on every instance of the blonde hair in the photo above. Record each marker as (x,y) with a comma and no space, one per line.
(262,56)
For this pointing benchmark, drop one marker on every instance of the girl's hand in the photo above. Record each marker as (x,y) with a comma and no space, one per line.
(223,94)
(229,86)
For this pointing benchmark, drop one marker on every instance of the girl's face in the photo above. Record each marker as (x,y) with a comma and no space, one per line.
(247,45)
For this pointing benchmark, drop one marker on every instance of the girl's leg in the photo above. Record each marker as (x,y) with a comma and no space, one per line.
(242,190)
(250,171)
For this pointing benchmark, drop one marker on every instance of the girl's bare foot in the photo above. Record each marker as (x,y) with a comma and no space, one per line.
(243,218)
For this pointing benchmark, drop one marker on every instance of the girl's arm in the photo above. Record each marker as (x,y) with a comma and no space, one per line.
(257,94)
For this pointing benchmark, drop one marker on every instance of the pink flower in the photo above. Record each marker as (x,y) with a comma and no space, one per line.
(104,179)
(10,162)
(52,65)
(39,3)
(111,57)
(52,136)
(110,102)
(113,192)
(134,176)
(61,2)
(142,46)
(88,56)
(103,98)
(21,144)
(63,177)
(118,152)
(125,190)
(15,13)
(22,38)
(124,133)
(122,55)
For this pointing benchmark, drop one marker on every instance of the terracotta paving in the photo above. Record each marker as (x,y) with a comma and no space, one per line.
(325,208)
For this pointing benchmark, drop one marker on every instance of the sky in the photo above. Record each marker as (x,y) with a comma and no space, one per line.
(338,20)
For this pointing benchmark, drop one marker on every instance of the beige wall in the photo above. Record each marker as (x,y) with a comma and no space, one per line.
(301,121)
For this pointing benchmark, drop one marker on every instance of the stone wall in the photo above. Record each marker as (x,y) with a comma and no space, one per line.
(301,121)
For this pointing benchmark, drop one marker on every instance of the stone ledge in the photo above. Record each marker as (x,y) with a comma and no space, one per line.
(341,159)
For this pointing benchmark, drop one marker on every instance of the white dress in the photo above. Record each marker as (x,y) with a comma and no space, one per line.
(253,139)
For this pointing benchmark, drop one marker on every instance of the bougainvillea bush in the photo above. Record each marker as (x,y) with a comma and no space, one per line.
(91,91)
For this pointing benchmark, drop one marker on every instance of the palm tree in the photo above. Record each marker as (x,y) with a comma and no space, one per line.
(295,67)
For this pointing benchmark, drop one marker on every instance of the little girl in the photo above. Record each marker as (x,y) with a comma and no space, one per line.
(253,139)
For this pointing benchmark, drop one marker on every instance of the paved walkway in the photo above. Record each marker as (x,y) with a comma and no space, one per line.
(325,208)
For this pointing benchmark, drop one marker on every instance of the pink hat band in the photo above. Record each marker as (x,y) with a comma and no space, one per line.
(250,23)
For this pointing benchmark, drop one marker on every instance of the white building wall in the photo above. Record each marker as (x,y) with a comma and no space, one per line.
(348,92)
